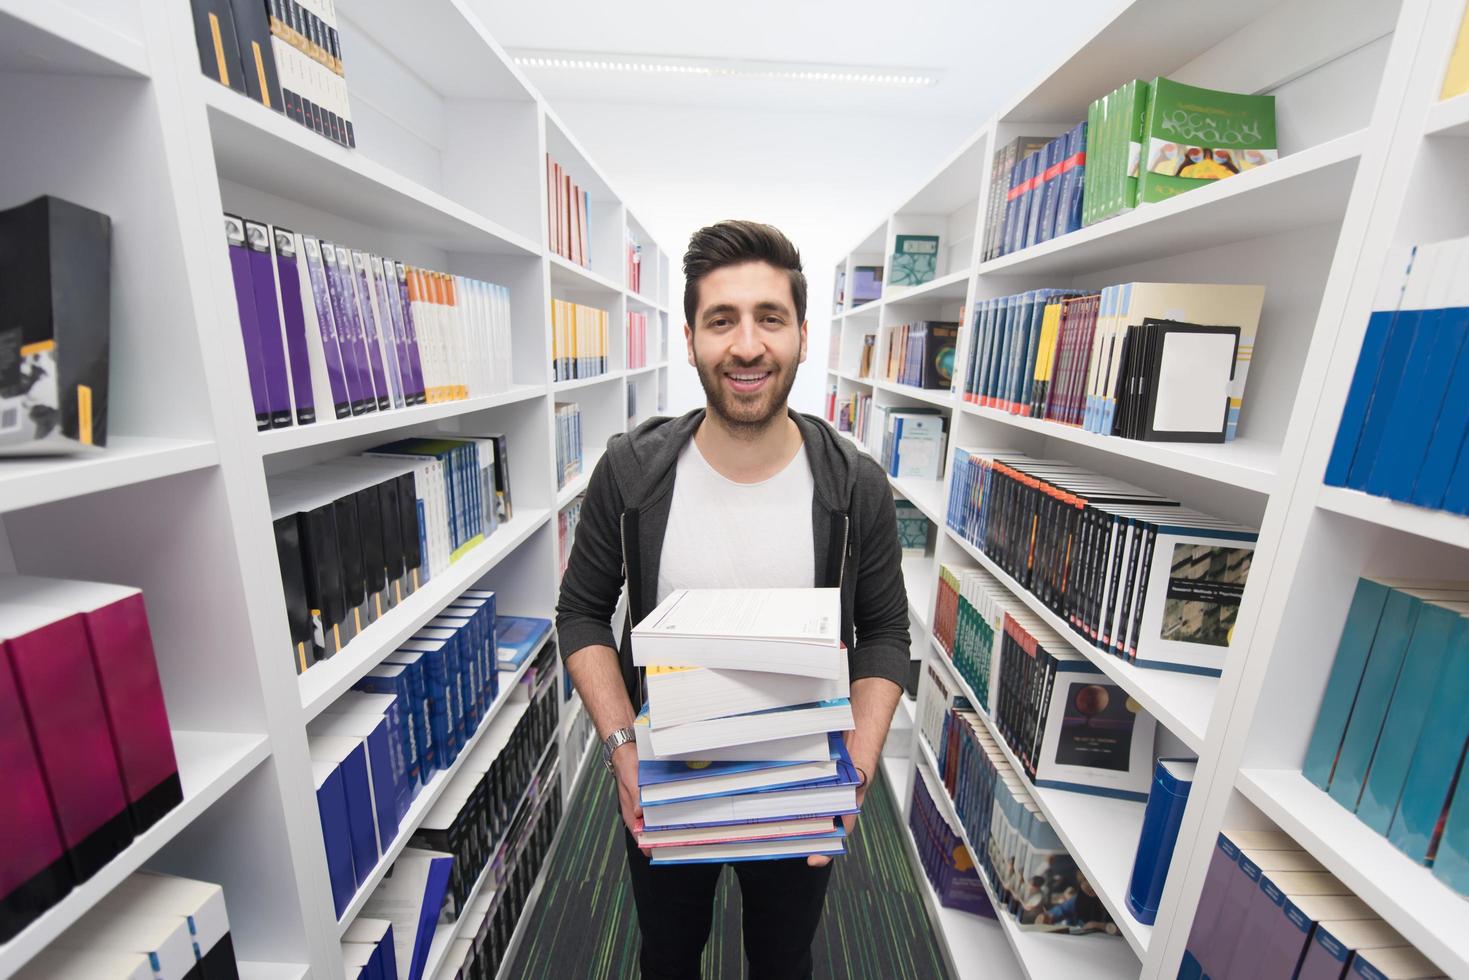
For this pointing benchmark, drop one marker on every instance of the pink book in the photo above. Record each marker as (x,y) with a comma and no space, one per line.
(122,654)
(34,874)
(63,709)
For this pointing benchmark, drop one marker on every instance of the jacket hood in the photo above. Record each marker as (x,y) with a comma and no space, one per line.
(642,460)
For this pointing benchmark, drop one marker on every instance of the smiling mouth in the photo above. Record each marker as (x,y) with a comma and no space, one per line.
(747,381)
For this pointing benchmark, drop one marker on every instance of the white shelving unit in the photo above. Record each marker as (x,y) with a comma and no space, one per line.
(1368,158)
(104,104)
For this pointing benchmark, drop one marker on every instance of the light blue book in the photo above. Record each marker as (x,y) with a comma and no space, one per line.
(517,637)
(1378,679)
(672,782)
(1451,864)
(1436,759)
(1423,663)
(1346,677)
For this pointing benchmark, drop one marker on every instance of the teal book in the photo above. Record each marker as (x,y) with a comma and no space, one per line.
(915,260)
(1438,625)
(1451,863)
(1345,679)
(1378,680)
(1436,759)
(1194,136)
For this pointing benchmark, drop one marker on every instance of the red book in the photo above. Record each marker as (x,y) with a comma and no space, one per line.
(58,687)
(116,623)
(34,873)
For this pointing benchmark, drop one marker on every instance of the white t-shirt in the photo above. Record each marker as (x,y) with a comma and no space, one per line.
(727,535)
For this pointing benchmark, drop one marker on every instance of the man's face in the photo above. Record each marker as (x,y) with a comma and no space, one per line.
(746,343)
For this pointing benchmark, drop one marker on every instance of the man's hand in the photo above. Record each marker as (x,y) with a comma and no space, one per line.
(625,771)
(849,821)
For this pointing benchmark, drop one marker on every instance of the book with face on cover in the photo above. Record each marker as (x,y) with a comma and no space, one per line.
(785,631)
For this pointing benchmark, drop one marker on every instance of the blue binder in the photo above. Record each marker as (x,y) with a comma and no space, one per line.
(1172,779)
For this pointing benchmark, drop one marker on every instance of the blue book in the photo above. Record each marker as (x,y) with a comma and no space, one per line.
(1172,779)
(331,803)
(411,898)
(1435,761)
(460,631)
(1396,270)
(770,849)
(1426,374)
(786,803)
(1043,215)
(415,674)
(483,613)
(671,781)
(366,722)
(441,674)
(517,637)
(484,599)
(1073,175)
(1438,623)
(429,672)
(1451,862)
(1019,217)
(1378,679)
(1447,437)
(391,679)
(1390,380)
(1343,683)
(350,757)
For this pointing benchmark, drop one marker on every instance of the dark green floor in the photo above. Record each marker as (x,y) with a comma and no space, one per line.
(584,925)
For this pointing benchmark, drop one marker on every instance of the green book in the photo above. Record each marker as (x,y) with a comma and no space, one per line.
(1114,128)
(912,529)
(915,260)
(1134,119)
(1193,136)
(1090,178)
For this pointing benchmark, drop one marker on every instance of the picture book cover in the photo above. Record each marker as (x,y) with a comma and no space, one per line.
(915,260)
(1196,135)
(866,284)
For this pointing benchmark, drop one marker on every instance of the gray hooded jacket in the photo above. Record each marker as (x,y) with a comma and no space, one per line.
(625,515)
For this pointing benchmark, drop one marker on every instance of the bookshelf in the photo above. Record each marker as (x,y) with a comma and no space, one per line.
(1369,157)
(449,172)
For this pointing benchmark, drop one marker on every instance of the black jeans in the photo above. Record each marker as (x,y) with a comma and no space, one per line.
(781,903)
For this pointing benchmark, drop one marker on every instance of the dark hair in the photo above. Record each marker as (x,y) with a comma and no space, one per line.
(735,242)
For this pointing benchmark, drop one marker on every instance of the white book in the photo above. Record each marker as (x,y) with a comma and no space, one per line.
(787,631)
(503,347)
(322,354)
(163,939)
(81,964)
(201,903)
(700,736)
(752,806)
(1191,597)
(387,329)
(734,832)
(679,695)
(796,748)
(749,850)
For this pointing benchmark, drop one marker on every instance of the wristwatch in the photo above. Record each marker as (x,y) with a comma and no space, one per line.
(612,743)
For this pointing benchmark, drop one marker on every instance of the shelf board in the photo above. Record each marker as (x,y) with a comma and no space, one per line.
(926,495)
(1436,525)
(567,275)
(1042,955)
(1449,117)
(210,764)
(559,386)
(49,38)
(578,483)
(1428,913)
(638,299)
(32,480)
(430,794)
(934,396)
(635,372)
(950,287)
(334,430)
(1298,191)
(1180,702)
(1247,463)
(259,970)
(263,149)
(1096,830)
(871,306)
(854,379)
(324,682)
(919,581)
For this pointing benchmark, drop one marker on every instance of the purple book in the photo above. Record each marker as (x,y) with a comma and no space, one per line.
(326,326)
(234,231)
(267,316)
(370,338)
(410,335)
(342,316)
(392,330)
(289,279)
(357,339)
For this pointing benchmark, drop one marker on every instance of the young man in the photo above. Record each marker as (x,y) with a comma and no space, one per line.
(742,493)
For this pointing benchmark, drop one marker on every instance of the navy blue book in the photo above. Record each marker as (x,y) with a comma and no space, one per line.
(517,637)
(331,802)
(1390,289)
(1172,780)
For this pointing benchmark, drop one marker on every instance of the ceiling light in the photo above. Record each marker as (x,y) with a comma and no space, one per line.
(727,68)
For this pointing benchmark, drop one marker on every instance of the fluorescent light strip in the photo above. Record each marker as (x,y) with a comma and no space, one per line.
(730,69)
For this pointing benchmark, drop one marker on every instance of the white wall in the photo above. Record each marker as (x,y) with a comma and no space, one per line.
(824,179)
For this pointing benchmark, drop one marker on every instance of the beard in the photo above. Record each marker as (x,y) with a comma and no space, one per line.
(747,414)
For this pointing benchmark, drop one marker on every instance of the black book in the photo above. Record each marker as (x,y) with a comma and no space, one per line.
(392,521)
(322,565)
(410,530)
(374,565)
(214,36)
(293,581)
(354,575)
(1190,368)
(257,57)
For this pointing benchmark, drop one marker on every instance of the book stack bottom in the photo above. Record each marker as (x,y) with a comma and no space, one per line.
(741,764)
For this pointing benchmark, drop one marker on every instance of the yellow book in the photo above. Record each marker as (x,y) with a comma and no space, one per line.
(1456,79)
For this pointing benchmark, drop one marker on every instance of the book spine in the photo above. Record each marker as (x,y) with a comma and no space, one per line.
(288,283)
(249,325)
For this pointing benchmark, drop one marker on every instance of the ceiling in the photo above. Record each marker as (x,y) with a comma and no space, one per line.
(973,44)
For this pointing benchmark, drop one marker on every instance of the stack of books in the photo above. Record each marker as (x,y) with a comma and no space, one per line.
(567,519)
(941,851)
(637,340)
(368,950)
(568,215)
(1402,428)
(1129,571)
(285,55)
(568,442)
(740,750)
(150,925)
(579,340)
(1389,738)
(89,755)
(1268,909)
(922,354)
(332,332)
